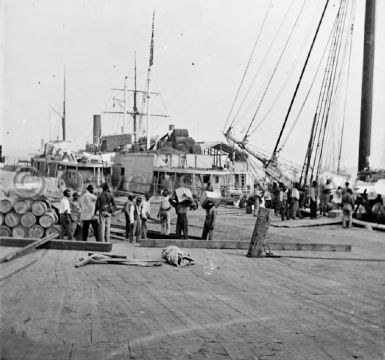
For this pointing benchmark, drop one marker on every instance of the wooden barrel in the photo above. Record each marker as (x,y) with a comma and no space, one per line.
(6,204)
(13,194)
(39,207)
(28,219)
(56,229)
(48,219)
(5,230)
(12,219)
(1,219)
(21,206)
(36,232)
(20,231)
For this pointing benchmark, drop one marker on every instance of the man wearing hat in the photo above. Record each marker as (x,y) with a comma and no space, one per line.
(65,215)
(209,225)
(87,213)
(105,206)
(164,213)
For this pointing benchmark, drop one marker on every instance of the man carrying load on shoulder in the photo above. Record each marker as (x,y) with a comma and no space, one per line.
(181,208)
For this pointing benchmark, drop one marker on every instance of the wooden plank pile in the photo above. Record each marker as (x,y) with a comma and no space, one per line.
(27,218)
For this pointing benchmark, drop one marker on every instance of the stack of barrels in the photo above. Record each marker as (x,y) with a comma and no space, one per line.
(180,140)
(27,218)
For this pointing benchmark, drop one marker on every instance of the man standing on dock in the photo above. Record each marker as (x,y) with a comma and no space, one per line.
(164,213)
(146,213)
(209,225)
(294,208)
(87,214)
(181,208)
(129,215)
(75,216)
(105,206)
(137,231)
(347,208)
(313,200)
(65,215)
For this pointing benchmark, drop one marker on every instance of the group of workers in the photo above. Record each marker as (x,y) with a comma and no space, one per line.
(137,214)
(321,198)
(78,213)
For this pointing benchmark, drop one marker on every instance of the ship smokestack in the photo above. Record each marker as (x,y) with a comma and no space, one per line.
(97,130)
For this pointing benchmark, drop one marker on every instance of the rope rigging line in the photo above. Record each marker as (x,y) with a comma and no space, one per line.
(300,78)
(322,103)
(277,97)
(347,85)
(263,62)
(276,66)
(306,97)
(247,67)
(333,85)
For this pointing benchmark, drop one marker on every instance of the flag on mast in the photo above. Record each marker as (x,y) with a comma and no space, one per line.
(152,42)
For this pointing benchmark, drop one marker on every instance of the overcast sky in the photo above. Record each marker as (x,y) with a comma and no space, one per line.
(201,50)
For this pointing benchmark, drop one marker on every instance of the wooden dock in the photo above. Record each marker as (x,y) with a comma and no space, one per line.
(302,305)
(226,306)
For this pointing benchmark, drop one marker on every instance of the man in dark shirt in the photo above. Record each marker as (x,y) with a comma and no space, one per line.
(181,208)
(209,225)
(105,206)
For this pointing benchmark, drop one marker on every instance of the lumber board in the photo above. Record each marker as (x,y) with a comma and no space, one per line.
(306,223)
(243,245)
(28,248)
(59,244)
(378,227)
(368,225)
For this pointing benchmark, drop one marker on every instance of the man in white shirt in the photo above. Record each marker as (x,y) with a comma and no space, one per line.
(164,213)
(146,212)
(65,215)
(129,215)
(87,214)
(294,201)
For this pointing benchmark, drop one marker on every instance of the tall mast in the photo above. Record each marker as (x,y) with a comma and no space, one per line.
(367,85)
(63,120)
(125,105)
(148,82)
(135,110)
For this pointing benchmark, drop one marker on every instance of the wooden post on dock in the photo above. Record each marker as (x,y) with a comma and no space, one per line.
(260,229)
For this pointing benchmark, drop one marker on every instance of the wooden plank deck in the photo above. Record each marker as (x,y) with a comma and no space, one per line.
(303,305)
(226,306)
